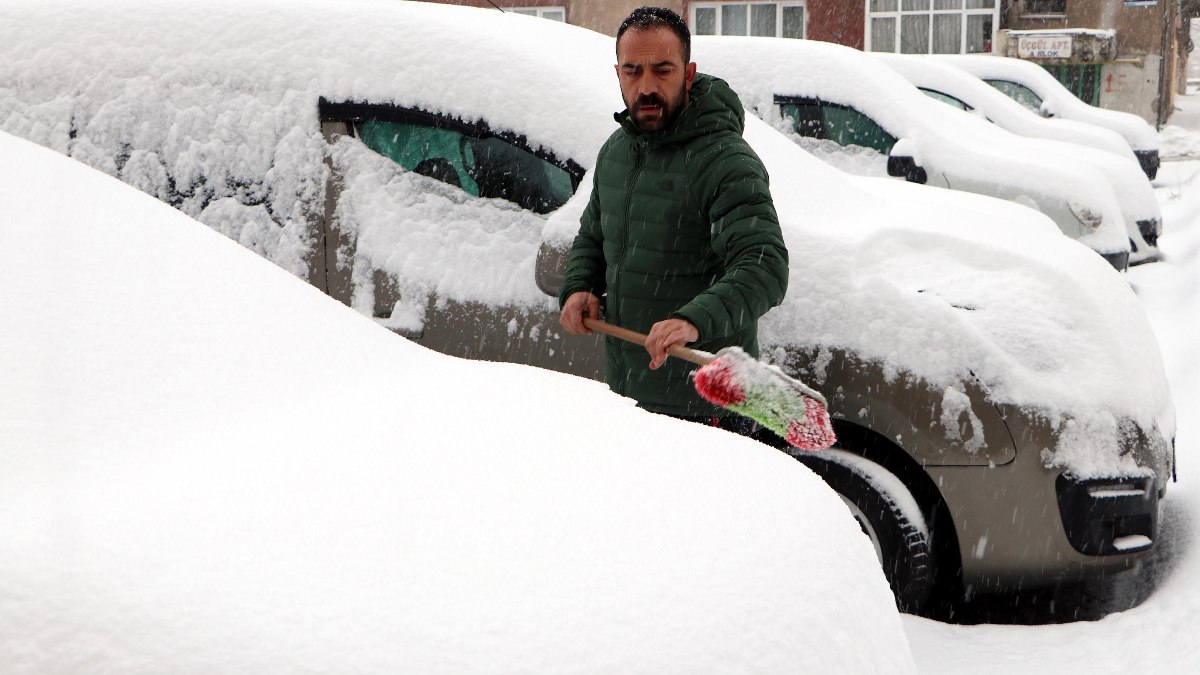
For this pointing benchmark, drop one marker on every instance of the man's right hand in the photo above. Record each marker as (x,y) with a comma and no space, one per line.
(579,304)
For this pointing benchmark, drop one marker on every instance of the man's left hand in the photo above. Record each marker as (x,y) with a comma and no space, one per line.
(666,334)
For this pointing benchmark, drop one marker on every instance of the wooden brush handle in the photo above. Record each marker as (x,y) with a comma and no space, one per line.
(678,351)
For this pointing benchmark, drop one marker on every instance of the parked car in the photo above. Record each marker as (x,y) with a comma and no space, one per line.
(1003,415)
(1097,146)
(188,486)
(857,101)
(1033,87)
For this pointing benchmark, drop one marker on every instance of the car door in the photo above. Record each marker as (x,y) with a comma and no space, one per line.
(433,225)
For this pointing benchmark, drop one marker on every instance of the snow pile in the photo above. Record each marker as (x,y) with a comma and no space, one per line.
(208,466)
(959,151)
(1179,143)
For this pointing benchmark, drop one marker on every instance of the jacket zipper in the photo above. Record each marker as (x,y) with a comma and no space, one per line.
(638,158)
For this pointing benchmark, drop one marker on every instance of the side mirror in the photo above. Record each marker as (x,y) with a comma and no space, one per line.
(550,268)
(903,161)
(1045,109)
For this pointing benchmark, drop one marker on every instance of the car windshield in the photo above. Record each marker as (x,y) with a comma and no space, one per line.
(481,166)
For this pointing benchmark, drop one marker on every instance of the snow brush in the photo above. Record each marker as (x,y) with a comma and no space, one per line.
(744,385)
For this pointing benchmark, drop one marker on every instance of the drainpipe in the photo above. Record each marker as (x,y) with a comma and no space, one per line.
(1163,93)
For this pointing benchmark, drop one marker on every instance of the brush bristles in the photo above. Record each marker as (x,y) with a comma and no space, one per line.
(742,385)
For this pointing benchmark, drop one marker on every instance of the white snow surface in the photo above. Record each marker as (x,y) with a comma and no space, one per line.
(1059,100)
(208,466)
(960,152)
(1159,634)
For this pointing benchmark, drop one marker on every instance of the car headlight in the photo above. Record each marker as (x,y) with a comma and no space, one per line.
(1086,216)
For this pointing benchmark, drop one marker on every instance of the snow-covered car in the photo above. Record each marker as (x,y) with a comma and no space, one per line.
(835,94)
(1086,143)
(1003,415)
(1033,87)
(187,486)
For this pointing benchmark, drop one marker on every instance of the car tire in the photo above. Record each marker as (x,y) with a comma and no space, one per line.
(903,547)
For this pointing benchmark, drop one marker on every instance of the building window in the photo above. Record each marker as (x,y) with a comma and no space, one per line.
(552,13)
(931,26)
(767,19)
(1045,7)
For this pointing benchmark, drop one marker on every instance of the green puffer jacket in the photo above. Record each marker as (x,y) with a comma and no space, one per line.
(680,224)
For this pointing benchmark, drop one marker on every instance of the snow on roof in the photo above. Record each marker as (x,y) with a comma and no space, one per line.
(1063,103)
(1096,32)
(208,466)
(222,116)
(966,153)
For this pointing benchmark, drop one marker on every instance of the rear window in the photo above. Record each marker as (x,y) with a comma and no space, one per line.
(466,155)
(841,124)
(946,98)
(1019,93)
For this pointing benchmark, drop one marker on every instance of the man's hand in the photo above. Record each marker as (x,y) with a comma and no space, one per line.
(578,305)
(666,334)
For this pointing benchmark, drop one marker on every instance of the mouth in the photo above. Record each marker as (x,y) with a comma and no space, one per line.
(649,109)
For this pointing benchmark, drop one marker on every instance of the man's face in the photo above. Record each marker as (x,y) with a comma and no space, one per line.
(654,79)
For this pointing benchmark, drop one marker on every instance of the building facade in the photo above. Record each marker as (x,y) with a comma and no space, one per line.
(1126,55)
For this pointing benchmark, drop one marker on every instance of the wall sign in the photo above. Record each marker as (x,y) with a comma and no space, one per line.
(1044,46)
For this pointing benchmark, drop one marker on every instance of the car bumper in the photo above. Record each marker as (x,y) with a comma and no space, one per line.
(1023,525)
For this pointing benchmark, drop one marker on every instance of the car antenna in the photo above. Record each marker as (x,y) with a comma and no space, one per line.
(496,6)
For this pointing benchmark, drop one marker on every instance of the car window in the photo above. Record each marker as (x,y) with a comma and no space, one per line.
(841,124)
(1019,93)
(467,155)
(482,167)
(946,98)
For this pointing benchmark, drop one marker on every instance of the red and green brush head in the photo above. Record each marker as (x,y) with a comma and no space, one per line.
(743,385)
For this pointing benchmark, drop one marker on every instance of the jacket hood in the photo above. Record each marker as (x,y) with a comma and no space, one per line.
(712,107)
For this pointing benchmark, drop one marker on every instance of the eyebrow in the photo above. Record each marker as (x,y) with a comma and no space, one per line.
(652,65)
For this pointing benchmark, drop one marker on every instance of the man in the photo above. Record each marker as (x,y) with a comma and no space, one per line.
(680,231)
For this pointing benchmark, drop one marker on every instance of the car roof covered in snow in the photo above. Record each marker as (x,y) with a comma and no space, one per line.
(1137,132)
(944,78)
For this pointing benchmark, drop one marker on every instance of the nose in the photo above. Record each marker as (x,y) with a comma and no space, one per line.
(646,85)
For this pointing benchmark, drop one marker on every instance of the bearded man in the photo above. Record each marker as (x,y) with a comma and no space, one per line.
(680,231)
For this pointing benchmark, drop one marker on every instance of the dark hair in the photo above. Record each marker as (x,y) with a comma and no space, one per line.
(643,18)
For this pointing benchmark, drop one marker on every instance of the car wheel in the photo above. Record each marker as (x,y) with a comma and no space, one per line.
(889,516)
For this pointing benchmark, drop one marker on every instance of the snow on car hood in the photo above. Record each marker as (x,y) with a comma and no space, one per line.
(1062,102)
(950,286)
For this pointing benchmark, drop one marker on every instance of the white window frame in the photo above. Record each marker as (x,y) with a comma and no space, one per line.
(899,12)
(778,14)
(541,12)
